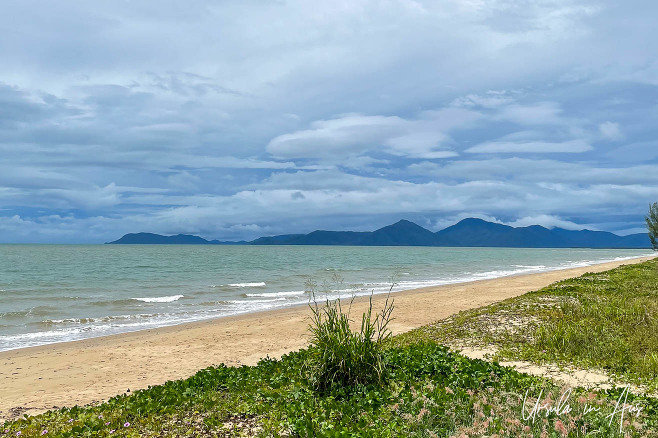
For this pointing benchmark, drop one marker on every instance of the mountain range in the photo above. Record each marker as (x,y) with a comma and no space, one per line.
(466,233)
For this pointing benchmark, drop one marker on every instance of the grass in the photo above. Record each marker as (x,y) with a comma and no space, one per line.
(607,321)
(340,357)
(424,389)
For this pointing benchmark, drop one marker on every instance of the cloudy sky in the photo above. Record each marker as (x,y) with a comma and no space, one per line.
(236,119)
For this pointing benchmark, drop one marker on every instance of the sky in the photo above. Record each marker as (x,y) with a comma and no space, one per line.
(238,119)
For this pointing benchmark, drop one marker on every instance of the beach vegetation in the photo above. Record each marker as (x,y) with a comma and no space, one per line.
(430,392)
(340,356)
(652,224)
(606,321)
(425,390)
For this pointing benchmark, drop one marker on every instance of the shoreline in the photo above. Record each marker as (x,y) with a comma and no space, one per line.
(398,288)
(35,379)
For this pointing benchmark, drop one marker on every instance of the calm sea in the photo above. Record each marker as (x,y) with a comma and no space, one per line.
(55,293)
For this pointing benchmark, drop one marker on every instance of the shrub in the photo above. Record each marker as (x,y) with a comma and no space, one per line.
(652,225)
(340,357)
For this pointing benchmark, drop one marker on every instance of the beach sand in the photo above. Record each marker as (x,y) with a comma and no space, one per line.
(36,379)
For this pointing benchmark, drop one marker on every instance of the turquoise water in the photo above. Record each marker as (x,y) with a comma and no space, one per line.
(55,293)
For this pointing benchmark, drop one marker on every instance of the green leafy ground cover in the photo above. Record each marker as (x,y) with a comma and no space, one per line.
(429,392)
(423,390)
(606,320)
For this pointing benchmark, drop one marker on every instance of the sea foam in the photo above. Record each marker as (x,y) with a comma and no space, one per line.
(258,284)
(294,293)
(168,299)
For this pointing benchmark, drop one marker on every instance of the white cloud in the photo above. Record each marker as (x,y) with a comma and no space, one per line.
(350,134)
(184,180)
(356,134)
(548,221)
(545,220)
(610,131)
(310,197)
(531,147)
(491,99)
(537,170)
(540,113)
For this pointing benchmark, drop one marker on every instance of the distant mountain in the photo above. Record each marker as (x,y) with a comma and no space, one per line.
(321,237)
(477,232)
(158,239)
(468,232)
(275,240)
(402,233)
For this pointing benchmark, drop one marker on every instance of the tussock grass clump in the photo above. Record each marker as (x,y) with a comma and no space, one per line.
(341,357)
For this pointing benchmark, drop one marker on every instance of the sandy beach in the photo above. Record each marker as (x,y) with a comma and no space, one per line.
(41,378)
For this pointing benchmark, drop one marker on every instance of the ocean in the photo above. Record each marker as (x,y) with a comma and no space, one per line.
(56,293)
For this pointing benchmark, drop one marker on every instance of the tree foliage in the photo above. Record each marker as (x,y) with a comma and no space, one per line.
(652,225)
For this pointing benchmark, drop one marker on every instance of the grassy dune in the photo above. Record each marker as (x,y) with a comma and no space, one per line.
(607,321)
(422,389)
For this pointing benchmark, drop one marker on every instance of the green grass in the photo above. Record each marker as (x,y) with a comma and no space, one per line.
(342,358)
(423,388)
(607,321)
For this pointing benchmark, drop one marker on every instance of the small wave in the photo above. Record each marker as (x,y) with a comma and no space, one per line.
(257,284)
(49,322)
(489,275)
(169,299)
(341,270)
(12,315)
(29,313)
(378,283)
(111,303)
(214,303)
(256,301)
(293,293)
(408,285)
(82,331)
(96,320)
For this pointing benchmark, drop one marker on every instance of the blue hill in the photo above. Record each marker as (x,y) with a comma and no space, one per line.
(466,233)
(158,239)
